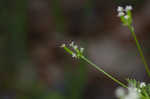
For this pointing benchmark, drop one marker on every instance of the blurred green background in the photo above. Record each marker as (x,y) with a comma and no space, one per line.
(33,66)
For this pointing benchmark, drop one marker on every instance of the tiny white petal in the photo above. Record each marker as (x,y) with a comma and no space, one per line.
(71,44)
(132,93)
(139,90)
(120,92)
(128,8)
(74,55)
(121,14)
(120,9)
(142,84)
(75,47)
(63,45)
(126,17)
(81,50)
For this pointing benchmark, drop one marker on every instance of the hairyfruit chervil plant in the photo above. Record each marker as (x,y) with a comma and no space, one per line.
(135,89)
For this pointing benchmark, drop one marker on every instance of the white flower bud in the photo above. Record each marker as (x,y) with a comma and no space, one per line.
(81,50)
(126,17)
(120,9)
(120,92)
(75,47)
(142,84)
(71,44)
(121,14)
(139,91)
(63,45)
(132,93)
(128,8)
(74,55)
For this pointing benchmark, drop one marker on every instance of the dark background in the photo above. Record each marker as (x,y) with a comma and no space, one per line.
(33,66)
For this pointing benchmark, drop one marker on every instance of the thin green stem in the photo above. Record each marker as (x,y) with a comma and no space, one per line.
(95,66)
(105,73)
(139,49)
(68,50)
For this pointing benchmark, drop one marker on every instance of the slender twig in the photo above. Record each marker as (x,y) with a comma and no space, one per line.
(139,49)
(105,73)
(78,54)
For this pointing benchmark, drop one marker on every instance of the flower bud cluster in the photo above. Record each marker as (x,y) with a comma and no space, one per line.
(77,51)
(122,11)
(125,14)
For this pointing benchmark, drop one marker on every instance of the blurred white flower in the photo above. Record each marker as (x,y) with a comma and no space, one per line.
(75,47)
(142,84)
(71,44)
(126,17)
(139,90)
(74,55)
(120,92)
(128,8)
(63,45)
(121,14)
(132,93)
(120,9)
(81,50)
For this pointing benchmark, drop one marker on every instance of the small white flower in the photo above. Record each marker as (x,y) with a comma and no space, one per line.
(128,8)
(121,14)
(126,17)
(74,55)
(142,84)
(63,45)
(139,91)
(75,47)
(71,44)
(120,92)
(132,93)
(120,9)
(81,50)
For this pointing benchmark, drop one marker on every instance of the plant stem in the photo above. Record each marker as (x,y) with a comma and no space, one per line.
(139,49)
(105,73)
